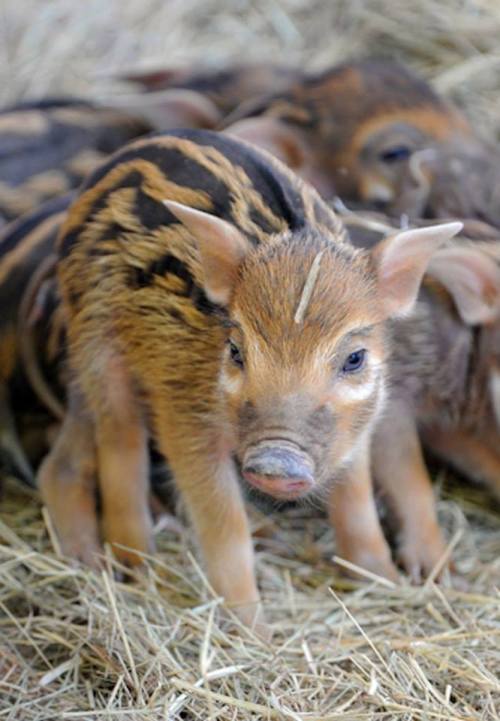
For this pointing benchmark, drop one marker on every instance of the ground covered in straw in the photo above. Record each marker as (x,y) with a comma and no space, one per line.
(74,644)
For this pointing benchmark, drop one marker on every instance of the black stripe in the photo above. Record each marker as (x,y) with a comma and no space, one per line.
(283,199)
(46,104)
(276,189)
(150,212)
(14,285)
(67,241)
(171,265)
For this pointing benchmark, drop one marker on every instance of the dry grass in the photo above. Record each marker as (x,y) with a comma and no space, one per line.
(78,645)
(53,46)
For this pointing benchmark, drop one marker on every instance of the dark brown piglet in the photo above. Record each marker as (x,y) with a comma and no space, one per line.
(360,130)
(226,87)
(31,333)
(48,147)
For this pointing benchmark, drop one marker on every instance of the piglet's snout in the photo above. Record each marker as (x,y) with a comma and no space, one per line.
(279,468)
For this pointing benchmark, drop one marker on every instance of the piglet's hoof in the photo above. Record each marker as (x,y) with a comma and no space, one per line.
(424,555)
(252,617)
(77,538)
(81,550)
(379,565)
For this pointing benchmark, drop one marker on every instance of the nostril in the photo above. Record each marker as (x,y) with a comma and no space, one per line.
(279,463)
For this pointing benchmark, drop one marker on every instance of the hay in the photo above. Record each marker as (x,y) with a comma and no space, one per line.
(75,644)
(63,46)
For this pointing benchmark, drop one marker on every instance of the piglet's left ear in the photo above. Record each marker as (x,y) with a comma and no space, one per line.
(472,277)
(401,261)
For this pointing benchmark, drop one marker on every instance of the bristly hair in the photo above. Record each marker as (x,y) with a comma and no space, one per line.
(308,288)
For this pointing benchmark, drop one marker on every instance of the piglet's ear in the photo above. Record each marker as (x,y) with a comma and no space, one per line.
(274,136)
(222,249)
(473,280)
(156,79)
(167,109)
(401,261)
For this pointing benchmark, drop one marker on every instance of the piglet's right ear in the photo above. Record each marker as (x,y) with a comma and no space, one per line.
(222,249)
(401,261)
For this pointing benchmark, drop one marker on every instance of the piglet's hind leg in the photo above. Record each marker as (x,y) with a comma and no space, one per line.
(67,481)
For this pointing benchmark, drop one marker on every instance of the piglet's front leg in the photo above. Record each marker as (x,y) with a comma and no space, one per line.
(353,513)
(208,482)
(400,470)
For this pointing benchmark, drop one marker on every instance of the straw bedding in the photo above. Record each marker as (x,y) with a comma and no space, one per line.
(75,644)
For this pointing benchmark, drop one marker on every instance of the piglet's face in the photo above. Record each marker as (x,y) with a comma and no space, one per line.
(304,365)
(394,152)
(381,161)
(302,372)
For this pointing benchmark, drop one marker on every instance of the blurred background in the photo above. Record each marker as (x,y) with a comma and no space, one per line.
(61,47)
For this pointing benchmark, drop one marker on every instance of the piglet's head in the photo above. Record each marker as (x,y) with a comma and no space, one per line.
(303,369)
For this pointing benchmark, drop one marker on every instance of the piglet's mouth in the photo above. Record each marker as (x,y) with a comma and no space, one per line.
(279,488)
(279,468)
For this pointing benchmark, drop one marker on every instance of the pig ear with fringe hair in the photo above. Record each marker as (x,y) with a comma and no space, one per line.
(472,278)
(222,249)
(272,135)
(167,109)
(401,261)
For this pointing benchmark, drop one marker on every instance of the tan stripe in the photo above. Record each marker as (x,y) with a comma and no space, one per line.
(233,176)
(20,199)
(243,191)
(85,162)
(28,243)
(24,122)
(90,117)
(436,123)
(154,182)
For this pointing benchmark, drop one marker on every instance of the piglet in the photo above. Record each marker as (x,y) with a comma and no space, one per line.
(215,305)
(444,391)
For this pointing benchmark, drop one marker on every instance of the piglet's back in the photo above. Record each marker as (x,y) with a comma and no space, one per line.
(120,235)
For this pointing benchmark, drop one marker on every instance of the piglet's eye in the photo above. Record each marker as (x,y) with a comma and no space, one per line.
(392,155)
(235,354)
(355,361)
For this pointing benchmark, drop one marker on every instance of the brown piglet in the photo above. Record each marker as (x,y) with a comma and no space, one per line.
(444,390)
(214,304)
(358,130)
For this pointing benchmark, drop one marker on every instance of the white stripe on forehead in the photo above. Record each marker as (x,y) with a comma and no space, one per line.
(308,288)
